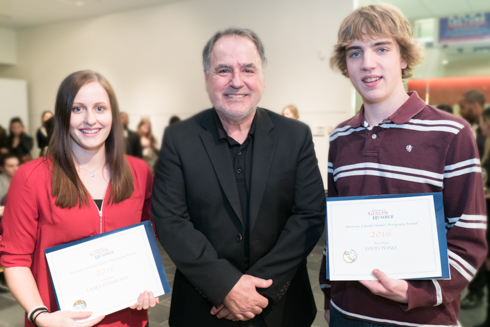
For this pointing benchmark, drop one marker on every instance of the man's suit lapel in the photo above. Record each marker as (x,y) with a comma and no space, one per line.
(263,152)
(219,155)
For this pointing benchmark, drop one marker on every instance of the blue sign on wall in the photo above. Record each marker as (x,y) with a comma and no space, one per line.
(464,28)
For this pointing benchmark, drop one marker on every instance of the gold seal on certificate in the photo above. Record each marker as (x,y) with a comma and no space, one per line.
(80,305)
(350,256)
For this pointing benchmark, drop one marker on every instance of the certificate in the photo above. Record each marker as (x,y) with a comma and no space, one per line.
(106,273)
(402,235)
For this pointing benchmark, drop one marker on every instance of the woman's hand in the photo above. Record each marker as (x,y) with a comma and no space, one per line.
(146,300)
(66,319)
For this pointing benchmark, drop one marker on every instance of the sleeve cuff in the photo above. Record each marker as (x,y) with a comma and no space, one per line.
(421,294)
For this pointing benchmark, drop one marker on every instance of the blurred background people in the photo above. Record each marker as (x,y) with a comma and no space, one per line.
(446,108)
(9,164)
(41,134)
(3,141)
(133,143)
(19,143)
(148,142)
(173,120)
(290,111)
(471,106)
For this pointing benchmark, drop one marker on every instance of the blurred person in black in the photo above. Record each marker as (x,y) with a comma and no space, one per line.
(3,141)
(133,144)
(173,120)
(19,143)
(471,108)
(41,134)
(485,164)
(446,108)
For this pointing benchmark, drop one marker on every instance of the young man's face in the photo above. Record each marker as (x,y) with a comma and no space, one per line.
(10,167)
(374,66)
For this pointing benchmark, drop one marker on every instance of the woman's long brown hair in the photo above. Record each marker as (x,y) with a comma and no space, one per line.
(66,186)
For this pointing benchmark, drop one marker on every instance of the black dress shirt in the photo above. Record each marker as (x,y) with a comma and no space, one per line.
(241,156)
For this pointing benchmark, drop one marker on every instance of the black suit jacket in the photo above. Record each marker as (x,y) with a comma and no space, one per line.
(133,145)
(196,210)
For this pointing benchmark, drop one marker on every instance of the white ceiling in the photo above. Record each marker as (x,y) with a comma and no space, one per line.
(416,9)
(22,13)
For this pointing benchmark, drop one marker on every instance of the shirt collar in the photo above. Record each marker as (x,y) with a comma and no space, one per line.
(407,111)
(221,131)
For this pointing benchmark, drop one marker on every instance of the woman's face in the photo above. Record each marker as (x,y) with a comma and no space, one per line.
(485,126)
(91,117)
(287,113)
(16,128)
(46,116)
(145,128)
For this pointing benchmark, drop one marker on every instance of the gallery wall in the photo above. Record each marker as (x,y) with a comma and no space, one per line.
(152,57)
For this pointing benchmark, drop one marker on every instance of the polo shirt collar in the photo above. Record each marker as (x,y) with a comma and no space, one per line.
(407,111)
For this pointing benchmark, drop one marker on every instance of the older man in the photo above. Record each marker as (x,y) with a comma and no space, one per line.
(238,200)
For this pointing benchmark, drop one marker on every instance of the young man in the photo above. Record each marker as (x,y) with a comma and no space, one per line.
(9,164)
(398,144)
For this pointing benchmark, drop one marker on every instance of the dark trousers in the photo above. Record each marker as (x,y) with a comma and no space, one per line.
(338,320)
(478,283)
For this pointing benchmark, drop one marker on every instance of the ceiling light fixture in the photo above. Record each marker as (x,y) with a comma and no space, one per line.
(76,3)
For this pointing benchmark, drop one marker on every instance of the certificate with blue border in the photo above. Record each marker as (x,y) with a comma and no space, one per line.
(106,273)
(403,235)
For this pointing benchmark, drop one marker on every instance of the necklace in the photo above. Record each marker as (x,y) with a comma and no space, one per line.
(92,173)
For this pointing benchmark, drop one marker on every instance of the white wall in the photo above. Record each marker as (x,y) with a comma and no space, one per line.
(8,46)
(152,57)
(13,102)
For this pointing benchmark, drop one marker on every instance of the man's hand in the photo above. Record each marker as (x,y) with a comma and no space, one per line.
(243,302)
(222,312)
(393,289)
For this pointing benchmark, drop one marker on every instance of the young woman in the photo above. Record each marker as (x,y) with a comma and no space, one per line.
(148,142)
(83,187)
(42,133)
(19,143)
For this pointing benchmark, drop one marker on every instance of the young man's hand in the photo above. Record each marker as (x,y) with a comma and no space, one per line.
(393,289)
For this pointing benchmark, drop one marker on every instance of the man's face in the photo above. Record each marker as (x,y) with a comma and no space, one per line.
(485,126)
(124,119)
(10,167)
(374,66)
(235,81)
(467,110)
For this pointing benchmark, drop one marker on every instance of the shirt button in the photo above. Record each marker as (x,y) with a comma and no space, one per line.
(239,171)
(374,136)
(239,237)
(239,153)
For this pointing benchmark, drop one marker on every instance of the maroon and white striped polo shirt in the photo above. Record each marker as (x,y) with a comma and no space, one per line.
(418,149)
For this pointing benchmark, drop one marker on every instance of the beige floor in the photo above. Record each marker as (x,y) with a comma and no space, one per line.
(12,315)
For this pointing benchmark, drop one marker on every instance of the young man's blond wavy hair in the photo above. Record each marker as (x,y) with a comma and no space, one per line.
(380,20)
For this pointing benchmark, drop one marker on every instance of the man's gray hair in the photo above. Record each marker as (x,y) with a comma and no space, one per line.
(232,31)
